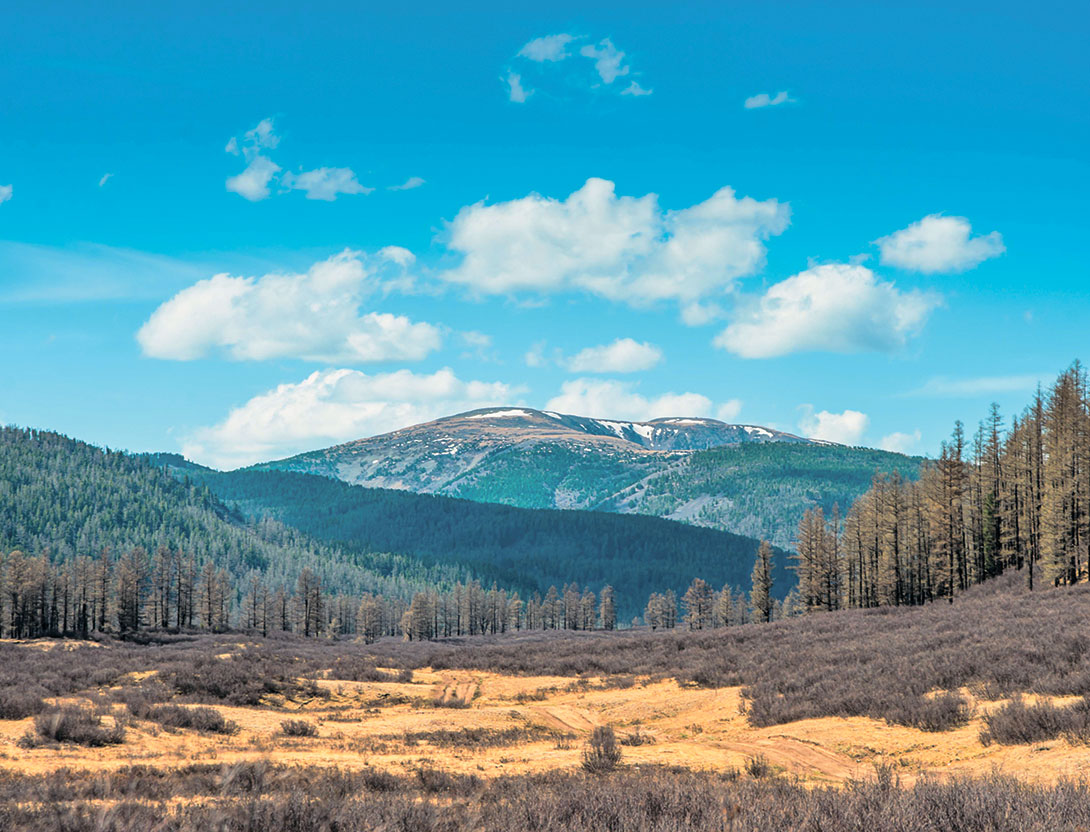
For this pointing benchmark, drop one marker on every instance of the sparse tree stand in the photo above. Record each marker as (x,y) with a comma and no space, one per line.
(607,610)
(698,602)
(760,597)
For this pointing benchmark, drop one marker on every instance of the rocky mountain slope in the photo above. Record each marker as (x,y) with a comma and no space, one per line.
(746,479)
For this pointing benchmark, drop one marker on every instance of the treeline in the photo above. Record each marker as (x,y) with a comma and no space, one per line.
(168,590)
(1014,497)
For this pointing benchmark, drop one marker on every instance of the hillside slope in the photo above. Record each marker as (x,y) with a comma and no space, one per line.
(739,478)
(520,548)
(67,498)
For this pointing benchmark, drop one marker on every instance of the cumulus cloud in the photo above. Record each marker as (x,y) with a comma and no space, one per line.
(624,355)
(900,443)
(5,193)
(618,247)
(939,244)
(105,178)
(833,308)
(847,428)
(332,406)
(261,171)
(608,60)
(515,91)
(763,99)
(408,184)
(610,399)
(253,182)
(324,183)
(313,316)
(549,48)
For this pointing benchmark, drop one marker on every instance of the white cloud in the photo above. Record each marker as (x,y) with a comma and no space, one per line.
(833,308)
(699,314)
(847,428)
(5,193)
(609,399)
(408,184)
(549,48)
(478,346)
(634,89)
(604,63)
(333,406)
(728,411)
(253,182)
(755,102)
(535,356)
(941,386)
(313,316)
(608,60)
(900,443)
(263,135)
(624,355)
(621,248)
(939,244)
(105,178)
(516,92)
(324,183)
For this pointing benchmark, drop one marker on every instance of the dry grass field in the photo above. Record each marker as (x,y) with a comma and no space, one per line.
(955,717)
(487,724)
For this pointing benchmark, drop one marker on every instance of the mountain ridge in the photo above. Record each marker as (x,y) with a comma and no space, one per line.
(531,458)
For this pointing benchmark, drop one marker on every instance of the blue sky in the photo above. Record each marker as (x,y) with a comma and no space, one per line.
(565,240)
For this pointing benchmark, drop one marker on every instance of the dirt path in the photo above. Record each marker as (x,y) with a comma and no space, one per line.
(566,718)
(800,757)
(448,692)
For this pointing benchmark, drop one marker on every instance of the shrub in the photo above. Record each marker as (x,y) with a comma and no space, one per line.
(242,679)
(636,738)
(19,704)
(204,719)
(602,753)
(298,728)
(758,766)
(453,701)
(1016,722)
(77,725)
(932,713)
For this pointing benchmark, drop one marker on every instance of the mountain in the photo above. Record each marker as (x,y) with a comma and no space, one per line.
(523,549)
(745,479)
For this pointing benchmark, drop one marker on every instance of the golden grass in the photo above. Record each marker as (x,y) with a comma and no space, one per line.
(688,726)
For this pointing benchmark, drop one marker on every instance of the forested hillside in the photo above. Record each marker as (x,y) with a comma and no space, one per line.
(66,499)
(523,549)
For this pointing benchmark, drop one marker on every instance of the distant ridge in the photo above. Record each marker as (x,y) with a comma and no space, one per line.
(432,456)
(746,479)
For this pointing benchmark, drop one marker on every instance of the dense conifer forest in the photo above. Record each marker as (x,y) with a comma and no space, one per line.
(521,549)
